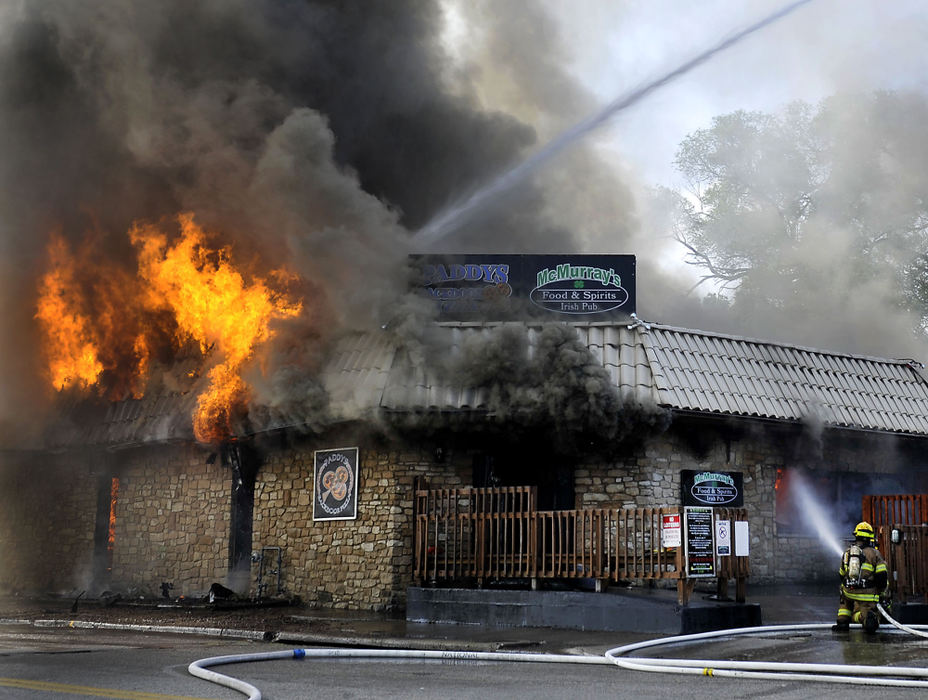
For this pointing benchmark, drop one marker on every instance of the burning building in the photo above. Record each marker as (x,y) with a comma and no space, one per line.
(207,211)
(594,414)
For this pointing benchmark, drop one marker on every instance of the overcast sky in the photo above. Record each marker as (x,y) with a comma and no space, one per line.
(552,63)
(823,47)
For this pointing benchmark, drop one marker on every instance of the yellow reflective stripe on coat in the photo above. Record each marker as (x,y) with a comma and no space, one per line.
(866,567)
(880,567)
(864,597)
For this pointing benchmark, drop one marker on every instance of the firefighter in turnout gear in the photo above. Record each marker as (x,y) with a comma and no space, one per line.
(863,574)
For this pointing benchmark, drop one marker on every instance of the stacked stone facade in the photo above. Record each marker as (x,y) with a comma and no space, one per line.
(172,522)
(173,513)
(650,476)
(361,563)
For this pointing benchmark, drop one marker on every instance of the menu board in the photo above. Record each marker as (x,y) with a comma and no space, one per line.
(700,542)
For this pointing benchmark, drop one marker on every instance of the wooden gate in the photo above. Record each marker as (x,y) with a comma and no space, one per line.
(907,558)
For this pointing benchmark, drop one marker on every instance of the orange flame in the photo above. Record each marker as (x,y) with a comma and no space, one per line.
(196,288)
(114,497)
(213,305)
(94,333)
(73,359)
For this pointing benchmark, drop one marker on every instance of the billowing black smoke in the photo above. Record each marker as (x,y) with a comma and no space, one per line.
(311,134)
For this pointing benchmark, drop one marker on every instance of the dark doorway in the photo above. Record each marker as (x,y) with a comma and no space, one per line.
(104,534)
(838,495)
(244,465)
(552,474)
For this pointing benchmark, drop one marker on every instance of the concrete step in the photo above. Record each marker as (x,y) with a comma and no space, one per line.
(611,611)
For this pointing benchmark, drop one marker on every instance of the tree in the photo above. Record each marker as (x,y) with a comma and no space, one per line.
(779,208)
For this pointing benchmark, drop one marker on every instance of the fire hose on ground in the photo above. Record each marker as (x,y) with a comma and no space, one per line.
(886,676)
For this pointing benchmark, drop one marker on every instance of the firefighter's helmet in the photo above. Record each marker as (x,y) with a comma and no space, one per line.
(864,531)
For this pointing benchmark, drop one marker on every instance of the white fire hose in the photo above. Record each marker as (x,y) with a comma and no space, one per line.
(900,626)
(887,676)
(200,668)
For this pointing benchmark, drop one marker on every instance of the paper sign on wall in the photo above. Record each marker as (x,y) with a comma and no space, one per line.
(742,538)
(671,531)
(723,538)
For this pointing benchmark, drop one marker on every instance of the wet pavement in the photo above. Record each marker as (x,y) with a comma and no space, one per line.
(56,621)
(297,626)
(301,625)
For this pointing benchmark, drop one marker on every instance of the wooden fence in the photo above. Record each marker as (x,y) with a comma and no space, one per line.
(907,559)
(904,509)
(497,533)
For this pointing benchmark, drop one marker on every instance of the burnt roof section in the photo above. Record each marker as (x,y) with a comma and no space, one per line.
(154,419)
(675,368)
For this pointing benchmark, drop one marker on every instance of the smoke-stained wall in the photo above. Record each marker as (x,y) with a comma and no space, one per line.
(47,531)
(311,135)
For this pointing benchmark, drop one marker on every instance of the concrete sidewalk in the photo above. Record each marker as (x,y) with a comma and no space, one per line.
(301,626)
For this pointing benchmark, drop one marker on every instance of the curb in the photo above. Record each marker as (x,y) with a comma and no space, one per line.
(290,638)
(169,629)
(393,642)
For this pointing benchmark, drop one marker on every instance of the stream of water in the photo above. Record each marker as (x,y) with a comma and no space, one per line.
(816,516)
(453,217)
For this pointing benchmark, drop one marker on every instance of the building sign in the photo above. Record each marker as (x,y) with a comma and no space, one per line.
(335,484)
(507,287)
(699,552)
(710,488)
(671,531)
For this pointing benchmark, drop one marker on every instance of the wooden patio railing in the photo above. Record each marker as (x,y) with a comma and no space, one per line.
(497,534)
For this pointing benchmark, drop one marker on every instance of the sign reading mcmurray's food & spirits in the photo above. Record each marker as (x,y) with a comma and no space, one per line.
(335,484)
(500,287)
(711,488)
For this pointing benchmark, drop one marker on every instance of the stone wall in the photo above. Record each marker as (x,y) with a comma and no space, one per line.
(173,511)
(172,522)
(364,563)
(47,515)
(650,476)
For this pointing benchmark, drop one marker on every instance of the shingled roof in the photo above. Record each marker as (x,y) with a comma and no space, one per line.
(675,368)
(703,372)
(714,373)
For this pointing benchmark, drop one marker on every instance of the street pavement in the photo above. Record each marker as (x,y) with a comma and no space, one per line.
(299,625)
(34,635)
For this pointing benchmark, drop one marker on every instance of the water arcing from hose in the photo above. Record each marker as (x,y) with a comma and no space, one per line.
(452,218)
(815,515)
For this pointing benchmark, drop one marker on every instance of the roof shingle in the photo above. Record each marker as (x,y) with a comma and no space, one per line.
(675,368)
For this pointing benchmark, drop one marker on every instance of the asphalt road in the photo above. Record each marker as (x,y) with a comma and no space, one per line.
(66,663)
